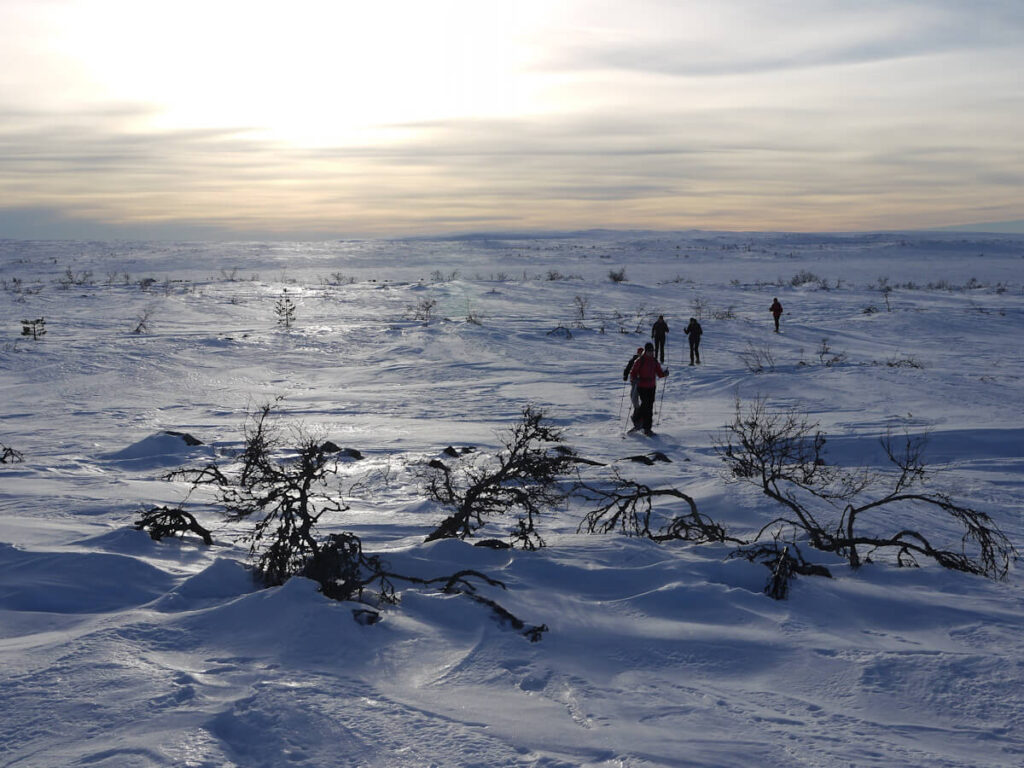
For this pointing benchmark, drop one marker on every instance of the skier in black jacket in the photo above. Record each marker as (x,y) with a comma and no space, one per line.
(658,331)
(693,332)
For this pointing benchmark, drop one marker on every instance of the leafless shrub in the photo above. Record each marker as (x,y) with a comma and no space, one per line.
(286,493)
(71,278)
(580,305)
(10,456)
(904,362)
(699,304)
(161,522)
(679,279)
(345,572)
(781,453)
(34,328)
(521,480)
(803,277)
(758,358)
(142,321)
(423,310)
(827,356)
(627,506)
(472,316)
(438,276)
(339,278)
(286,498)
(784,561)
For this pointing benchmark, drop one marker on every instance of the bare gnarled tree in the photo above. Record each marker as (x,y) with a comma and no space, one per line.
(285,495)
(523,480)
(781,452)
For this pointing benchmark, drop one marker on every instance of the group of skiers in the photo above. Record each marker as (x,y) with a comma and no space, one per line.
(645,366)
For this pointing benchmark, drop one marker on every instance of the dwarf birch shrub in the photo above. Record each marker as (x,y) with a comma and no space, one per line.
(521,480)
(858,514)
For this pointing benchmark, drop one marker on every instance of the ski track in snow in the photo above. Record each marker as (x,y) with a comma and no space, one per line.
(120,651)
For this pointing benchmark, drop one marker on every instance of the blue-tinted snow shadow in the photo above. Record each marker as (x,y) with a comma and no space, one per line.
(991,449)
(76,582)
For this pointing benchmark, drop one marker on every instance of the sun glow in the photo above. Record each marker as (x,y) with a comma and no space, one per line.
(310,74)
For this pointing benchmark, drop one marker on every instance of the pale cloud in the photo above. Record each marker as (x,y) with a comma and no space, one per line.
(807,115)
(729,38)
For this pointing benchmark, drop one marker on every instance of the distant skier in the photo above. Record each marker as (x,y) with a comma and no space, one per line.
(776,310)
(634,397)
(693,332)
(658,331)
(645,372)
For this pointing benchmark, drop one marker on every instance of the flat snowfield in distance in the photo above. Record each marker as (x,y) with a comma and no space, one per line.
(120,650)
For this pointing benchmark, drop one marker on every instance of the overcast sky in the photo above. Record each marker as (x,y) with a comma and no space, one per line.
(330,118)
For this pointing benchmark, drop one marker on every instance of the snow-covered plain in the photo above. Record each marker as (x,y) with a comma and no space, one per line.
(117,650)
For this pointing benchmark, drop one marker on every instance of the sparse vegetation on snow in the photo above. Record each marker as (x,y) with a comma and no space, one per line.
(190,576)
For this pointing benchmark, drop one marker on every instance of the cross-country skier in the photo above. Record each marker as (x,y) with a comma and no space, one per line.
(693,332)
(658,331)
(776,310)
(645,372)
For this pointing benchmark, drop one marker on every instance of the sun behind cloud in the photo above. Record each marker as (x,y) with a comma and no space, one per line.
(306,73)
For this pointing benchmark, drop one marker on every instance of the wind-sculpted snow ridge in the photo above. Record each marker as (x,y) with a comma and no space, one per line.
(118,650)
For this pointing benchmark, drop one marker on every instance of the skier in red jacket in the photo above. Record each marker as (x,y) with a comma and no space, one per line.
(645,373)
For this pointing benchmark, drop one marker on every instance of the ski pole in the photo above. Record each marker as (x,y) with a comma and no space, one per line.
(622,398)
(661,400)
(631,411)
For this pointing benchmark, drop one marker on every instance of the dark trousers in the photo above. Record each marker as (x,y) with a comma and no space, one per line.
(644,415)
(659,348)
(694,350)
(776,322)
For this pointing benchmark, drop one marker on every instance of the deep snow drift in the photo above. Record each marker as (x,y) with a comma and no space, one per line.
(118,650)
